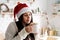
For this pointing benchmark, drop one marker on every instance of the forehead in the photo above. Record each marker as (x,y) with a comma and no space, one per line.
(27,13)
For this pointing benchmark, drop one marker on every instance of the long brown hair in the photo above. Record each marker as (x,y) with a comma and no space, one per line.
(20,27)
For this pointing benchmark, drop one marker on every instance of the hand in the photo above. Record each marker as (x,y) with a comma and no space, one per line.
(29,28)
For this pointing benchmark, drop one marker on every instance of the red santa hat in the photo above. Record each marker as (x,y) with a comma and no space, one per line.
(20,9)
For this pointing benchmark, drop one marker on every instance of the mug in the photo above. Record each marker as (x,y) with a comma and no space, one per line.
(35,28)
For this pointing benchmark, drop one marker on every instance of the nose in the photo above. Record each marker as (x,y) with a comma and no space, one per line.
(29,16)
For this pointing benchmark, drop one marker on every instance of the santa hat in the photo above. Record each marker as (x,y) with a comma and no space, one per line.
(20,9)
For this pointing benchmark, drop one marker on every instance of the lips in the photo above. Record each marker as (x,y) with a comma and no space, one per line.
(28,20)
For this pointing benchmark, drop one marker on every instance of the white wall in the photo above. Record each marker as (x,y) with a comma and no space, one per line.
(4,22)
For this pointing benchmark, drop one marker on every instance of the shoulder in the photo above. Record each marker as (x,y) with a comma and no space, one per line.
(11,29)
(12,23)
(12,26)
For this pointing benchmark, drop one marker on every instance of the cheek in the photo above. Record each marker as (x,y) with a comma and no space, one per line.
(30,18)
(27,19)
(24,18)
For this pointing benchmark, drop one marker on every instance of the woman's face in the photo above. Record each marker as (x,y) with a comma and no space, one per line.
(27,17)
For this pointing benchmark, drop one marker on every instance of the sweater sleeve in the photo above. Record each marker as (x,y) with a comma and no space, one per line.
(11,31)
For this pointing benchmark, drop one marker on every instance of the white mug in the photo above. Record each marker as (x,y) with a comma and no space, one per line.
(35,28)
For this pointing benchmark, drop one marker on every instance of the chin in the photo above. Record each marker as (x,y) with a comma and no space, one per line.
(28,22)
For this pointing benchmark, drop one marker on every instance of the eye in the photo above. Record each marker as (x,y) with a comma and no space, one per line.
(27,14)
(30,14)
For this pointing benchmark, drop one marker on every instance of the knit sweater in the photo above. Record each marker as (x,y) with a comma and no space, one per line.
(12,30)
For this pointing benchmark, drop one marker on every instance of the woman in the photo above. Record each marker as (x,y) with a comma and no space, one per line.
(21,29)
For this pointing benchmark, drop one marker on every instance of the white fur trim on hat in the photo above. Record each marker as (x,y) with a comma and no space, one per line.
(23,10)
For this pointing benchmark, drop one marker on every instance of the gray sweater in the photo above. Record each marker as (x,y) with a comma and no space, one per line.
(11,31)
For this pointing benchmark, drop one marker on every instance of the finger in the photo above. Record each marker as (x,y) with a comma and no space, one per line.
(31,24)
(30,28)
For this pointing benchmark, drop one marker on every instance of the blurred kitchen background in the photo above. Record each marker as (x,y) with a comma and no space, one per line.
(47,11)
